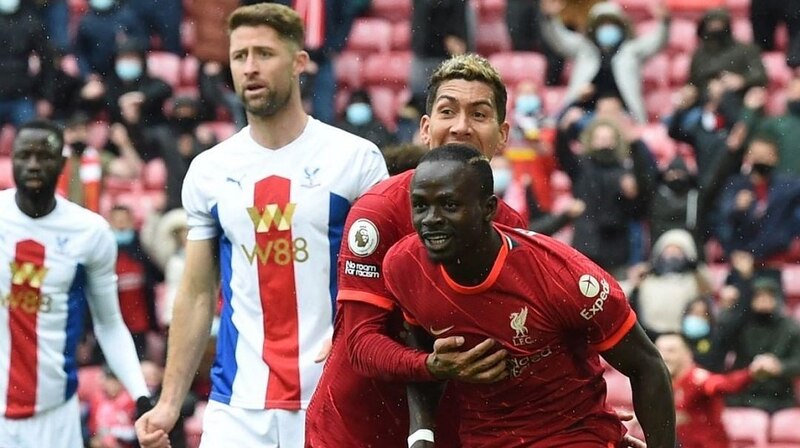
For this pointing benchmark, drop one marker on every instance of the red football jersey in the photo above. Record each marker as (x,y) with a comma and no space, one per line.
(349,409)
(699,403)
(552,309)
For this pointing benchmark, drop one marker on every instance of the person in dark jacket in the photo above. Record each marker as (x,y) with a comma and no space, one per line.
(22,36)
(99,30)
(737,65)
(438,30)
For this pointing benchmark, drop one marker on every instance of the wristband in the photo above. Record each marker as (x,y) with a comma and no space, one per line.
(420,434)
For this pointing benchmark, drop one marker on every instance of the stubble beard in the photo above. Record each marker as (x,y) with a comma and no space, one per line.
(266,106)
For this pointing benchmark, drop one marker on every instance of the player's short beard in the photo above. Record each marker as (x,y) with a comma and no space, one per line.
(272,104)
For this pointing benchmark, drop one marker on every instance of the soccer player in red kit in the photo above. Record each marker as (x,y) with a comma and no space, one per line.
(699,394)
(467,104)
(547,306)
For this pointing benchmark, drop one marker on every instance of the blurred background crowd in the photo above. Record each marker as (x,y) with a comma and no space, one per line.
(661,139)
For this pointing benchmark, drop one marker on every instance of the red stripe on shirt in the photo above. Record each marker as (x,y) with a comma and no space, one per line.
(621,332)
(23,309)
(278,298)
(350,295)
(497,267)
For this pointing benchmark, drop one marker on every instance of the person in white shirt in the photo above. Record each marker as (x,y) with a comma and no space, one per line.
(266,210)
(55,259)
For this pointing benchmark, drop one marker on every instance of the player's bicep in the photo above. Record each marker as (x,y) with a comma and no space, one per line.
(632,353)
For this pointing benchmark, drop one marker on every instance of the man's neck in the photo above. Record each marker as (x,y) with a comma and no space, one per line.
(475,268)
(36,206)
(280,129)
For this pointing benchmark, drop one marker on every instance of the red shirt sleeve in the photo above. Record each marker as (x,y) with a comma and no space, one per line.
(371,229)
(728,383)
(507,216)
(593,302)
(373,353)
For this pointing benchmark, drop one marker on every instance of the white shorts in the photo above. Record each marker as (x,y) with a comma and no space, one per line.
(57,427)
(226,426)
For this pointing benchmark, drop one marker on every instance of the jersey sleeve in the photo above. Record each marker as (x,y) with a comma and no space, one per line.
(591,301)
(369,233)
(101,275)
(200,220)
(507,216)
(373,169)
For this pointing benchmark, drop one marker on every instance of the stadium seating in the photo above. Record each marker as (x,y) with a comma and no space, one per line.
(778,72)
(746,427)
(401,36)
(738,8)
(154,175)
(655,73)
(517,66)
(492,37)
(387,70)
(89,382)
(370,35)
(6,174)
(679,69)
(552,99)
(791,280)
(658,104)
(194,425)
(784,427)
(384,103)
(392,10)
(165,66)
(222,129)
(189,67)
(661,145)
(491,10)
(7,134)
(348,70)
(188,35)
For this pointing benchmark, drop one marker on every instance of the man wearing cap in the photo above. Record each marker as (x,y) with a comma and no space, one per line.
(769,339)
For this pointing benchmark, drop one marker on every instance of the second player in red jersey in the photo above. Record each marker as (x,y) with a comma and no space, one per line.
(550,310)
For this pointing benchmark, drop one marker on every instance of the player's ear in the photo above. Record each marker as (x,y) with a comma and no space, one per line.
(425,129)
(490,208)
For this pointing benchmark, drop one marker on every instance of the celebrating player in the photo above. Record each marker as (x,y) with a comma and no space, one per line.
(546,305)
(55,258)
(273,198)
(467,104)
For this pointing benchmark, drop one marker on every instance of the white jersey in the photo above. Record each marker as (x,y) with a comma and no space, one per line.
(49,268)
(279,216)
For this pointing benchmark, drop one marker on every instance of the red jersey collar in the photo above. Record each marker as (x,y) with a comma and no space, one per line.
(493,274)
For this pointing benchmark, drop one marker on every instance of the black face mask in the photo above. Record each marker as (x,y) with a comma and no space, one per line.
(604,156)
(714,36)
(793,107)
(763,318)
(763,169)
(185,125)
(78,147)
(672,265)
(680,185)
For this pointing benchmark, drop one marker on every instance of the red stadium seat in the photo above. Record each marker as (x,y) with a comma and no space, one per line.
(189,67)
(776,102)
(790,278)
(388,70)
(742,30)
(392,10)
(401,36)
(492,37)
(6,173)
(692,9)
(619,389)
(746,427)
(492,10)
(719,273)
(714,251)
(89,382)
(553,99)
(658,104)
(222,129)
(370,35)
(384,104)
(78,7)
(682,34)
(188,34)
(655,73)
(560,182)
(661,145)
(637,10)
(348,70)
(154,175)
(778,72)
(98,134)
(165,66)
(738,8)
(194,425)
(7,134)
(516,66)
(679,69)
(784,427)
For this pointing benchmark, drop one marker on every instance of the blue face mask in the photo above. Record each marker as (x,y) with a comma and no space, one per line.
(124,237)
(101,5)
(128,70)
(9,6)
(359,114)
(695,327)
(608,35)
(502,179)
(528,104)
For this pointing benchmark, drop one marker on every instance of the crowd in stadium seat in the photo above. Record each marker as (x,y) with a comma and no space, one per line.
(677,168)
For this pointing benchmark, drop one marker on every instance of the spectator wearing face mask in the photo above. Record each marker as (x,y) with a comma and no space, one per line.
(81,179)
(359,119)
(766,336)
(608,57)
(673,279)
(719,55)
(759,207)
(106,23)
(137,276)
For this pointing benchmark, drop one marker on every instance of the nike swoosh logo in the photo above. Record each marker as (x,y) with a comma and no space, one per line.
(442,331)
